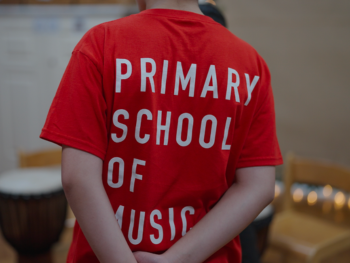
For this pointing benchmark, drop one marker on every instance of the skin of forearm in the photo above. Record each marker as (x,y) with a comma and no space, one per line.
(238,207)
(81,178)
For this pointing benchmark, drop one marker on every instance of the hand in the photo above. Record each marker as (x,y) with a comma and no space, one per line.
(145,257)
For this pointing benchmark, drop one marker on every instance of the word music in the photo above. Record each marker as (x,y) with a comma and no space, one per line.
(154,214)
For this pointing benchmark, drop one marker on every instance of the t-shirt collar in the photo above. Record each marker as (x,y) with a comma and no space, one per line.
(177,14)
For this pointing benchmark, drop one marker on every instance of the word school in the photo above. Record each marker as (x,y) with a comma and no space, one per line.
(180,78)
(166,128)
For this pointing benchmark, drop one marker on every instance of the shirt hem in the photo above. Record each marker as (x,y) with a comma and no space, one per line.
(264,161)
(61,139)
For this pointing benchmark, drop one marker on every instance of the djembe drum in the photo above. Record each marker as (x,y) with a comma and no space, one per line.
(32,212)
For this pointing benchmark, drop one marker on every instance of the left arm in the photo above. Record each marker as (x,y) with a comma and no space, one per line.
(82,183)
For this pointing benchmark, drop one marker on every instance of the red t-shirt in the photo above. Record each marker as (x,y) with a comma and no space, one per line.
(173,103)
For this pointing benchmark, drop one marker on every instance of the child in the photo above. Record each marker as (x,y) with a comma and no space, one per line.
(167,125)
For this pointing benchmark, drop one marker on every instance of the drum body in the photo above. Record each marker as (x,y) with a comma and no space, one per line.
(32,219)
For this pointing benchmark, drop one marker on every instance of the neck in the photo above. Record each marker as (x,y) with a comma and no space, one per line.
(184,5)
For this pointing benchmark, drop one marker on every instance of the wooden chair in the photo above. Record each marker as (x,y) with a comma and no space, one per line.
(43,158)
(302,237)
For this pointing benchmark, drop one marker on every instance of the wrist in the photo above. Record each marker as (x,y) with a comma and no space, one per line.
(175,256)
(166,258)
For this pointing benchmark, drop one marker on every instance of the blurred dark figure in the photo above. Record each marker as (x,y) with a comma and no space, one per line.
(250,252)
(211,11)
(254,237)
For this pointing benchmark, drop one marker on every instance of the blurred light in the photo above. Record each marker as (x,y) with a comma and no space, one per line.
(339,216)
(327,190)
(339,200)
(298,195)
(312,198)
(277,190)
(326,207)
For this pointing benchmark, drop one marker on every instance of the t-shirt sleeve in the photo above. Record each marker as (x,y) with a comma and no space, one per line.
(261,146)
(77,116)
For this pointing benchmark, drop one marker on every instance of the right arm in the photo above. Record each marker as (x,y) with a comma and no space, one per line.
(82,184)
(242,202)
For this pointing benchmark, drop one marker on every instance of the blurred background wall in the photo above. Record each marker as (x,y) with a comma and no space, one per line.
(36,42)
(305,43)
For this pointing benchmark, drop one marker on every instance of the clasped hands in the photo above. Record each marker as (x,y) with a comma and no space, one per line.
(146,257)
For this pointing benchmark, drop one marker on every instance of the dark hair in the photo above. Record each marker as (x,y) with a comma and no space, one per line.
(213,12)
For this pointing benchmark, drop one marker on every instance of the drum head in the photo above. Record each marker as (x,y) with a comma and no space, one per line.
(32,181)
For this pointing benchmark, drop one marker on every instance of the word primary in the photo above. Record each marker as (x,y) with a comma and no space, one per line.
(180,78)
